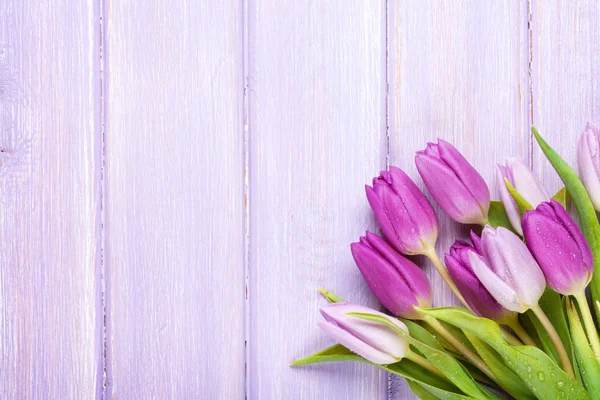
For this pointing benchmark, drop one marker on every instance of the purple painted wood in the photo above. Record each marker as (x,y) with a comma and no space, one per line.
(317,135)
(175,200)
(459,71)
(193,267)
(566,77)
(50,343)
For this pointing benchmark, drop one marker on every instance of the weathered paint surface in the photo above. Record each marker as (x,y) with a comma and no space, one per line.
(179,178)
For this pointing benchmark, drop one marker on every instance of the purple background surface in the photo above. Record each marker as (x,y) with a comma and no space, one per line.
(178,177)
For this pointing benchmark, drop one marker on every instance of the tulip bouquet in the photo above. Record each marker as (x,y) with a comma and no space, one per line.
(526,328)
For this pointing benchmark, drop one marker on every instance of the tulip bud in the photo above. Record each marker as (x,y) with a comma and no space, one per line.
(374,341)
(508,270)
(474,292)
(525,182)
(396,281)
(588,160)
(403,213)
(456,186)
(559,247)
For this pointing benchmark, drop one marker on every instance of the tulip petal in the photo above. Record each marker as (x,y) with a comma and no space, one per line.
(502,292)
(465,172)
(375,335)
(523,179)
(588,160)
(449,192)
(477,296)
(413,277)
(385,281)
(354,344)
(523,273)
(511,207)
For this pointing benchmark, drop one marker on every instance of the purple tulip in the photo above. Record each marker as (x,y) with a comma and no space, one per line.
(403,213)
(476,295)
(525,182)
(588,160)
(559,247)
(396,281)
(457,187)
(374,341)
(508,270)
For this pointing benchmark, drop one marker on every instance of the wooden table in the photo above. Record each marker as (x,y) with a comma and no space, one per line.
(184,174)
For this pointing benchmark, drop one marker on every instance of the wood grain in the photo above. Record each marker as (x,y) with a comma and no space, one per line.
(175,200)
(317,135)
(459,71)
(49,284)
(566,77)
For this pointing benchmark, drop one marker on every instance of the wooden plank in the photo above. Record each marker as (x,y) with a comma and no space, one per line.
(175,199)
(50,343)
(459,71)
(566,77)
(317,135)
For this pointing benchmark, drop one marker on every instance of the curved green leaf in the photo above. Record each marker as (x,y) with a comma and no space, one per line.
(497,215)
(330,296)
(507,378)
(562,196)
(405,368)
(588,364)
(552,304)
(520,200)
(583,204)
(539,372)
(419,391)
(447,364)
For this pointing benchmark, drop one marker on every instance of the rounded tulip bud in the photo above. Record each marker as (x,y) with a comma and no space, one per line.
(396,281)
(559,247)
(374,341)
(508,270)
(403,213)
(454,184)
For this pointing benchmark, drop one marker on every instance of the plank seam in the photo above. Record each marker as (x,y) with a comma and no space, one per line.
(106,380)
(246,174)
(532,42)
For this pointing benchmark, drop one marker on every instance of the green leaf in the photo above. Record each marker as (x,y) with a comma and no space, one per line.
(539,372)
(435,385)
(546,343)
(425,336)
(552,304)
(520,200)
(497,215)
(420,391)
(330,296)
(334,353)
(447,364)
(588,364)
(583,204)
(507,378)
(405,368)
(421,334)
(562,196)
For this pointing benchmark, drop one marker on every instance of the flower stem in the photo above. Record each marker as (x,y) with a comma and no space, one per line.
(586,315)
(562,353)
(435,259)
(461,348)
(516,326)
(510,338)
(423,362)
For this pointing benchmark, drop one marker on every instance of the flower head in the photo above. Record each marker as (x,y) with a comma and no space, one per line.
(396,281)
(456,186)
(374,341)
(403,213)
(559,247)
